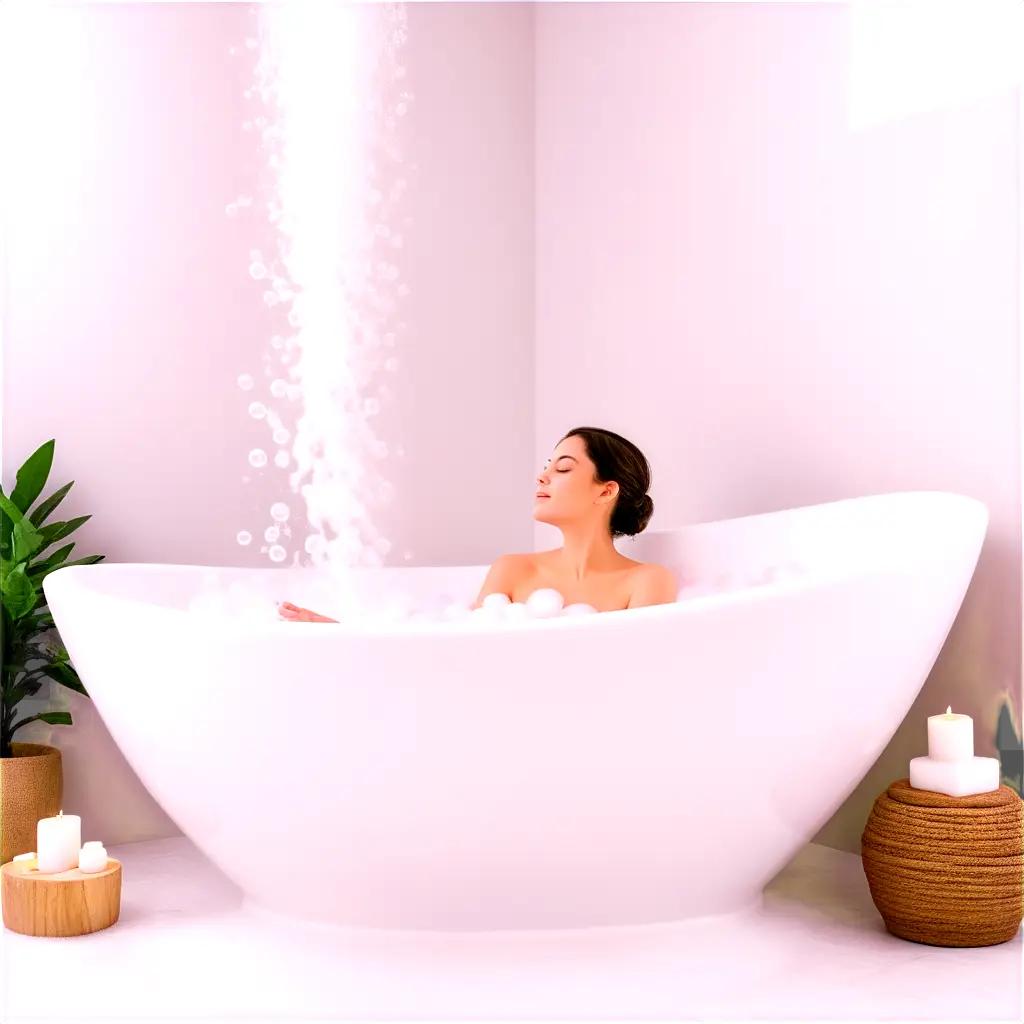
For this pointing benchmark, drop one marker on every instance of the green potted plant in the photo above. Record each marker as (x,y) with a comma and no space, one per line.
(31,780)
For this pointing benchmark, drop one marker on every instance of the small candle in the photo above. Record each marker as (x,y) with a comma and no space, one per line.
(950,737)
(92,857)
(951,766)
(25,856)
(58,841)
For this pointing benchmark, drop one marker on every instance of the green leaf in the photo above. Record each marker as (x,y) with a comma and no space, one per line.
(66,676)
(55,559)
(55,717)
(27,541)
(88,560)
(32,476)
(50,504)
(10,519)
(19,593)
(56,531)
(52,717)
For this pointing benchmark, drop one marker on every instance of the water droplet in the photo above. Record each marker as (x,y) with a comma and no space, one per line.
(279,511)
(257,457)
(257,410)
(245,381)
(278,388)
(314,543)
(278,553)
(243,537)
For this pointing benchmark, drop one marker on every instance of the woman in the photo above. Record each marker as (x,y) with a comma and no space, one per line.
(593,488)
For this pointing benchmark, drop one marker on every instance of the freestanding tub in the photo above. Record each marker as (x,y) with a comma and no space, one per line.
(627,767)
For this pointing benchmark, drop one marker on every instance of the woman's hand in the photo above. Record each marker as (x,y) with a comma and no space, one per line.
(293,613)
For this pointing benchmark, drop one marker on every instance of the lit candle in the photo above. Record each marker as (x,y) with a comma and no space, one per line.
(58,841)
(951,766)
(92,857)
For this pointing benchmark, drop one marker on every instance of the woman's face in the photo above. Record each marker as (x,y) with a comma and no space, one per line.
(566,490)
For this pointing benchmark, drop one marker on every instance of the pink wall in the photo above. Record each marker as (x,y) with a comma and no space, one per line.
(130,312)
(779,310)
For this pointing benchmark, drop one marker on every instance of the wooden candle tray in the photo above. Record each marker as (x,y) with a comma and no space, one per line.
(63,903)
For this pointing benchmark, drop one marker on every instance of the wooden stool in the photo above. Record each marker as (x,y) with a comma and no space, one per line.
(946,870)
(64,903)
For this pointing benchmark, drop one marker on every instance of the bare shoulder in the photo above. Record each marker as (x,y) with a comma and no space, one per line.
(652,584)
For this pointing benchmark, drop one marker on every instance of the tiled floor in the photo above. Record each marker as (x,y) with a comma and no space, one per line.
(186,948)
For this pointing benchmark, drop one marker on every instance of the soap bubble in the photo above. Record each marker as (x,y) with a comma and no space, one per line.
(278,553)
(257,410)
(282,435)
(579,608)
(257,457)
(496,600)
(278,387)
(279,511)
(544,602)
(281,459)
(516,612)
(257,271)
(243,537)
(271,533)
(245,381)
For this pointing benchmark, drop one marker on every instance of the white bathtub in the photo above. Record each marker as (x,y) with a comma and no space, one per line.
(628,767)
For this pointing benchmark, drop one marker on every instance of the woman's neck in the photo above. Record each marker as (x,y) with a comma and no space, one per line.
(585,552)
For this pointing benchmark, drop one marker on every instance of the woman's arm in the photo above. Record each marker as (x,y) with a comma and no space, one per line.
(293,613)
(654,585)
(501,578)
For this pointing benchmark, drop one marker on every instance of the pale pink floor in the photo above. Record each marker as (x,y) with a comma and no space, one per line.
(185,949)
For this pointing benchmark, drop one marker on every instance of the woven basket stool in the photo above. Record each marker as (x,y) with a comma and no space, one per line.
(946,870)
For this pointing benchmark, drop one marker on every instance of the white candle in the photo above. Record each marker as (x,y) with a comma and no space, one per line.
(58,841)
(950,737)
(92,857)
(951,766)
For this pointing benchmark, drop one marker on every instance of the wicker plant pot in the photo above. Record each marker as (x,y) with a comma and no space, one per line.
(946,870)
(31,787)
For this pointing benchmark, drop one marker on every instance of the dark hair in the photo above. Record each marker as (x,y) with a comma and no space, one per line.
(620,460)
